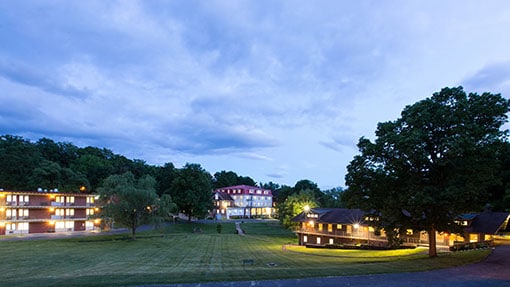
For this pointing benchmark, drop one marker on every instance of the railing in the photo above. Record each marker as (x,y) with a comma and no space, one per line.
(341,233)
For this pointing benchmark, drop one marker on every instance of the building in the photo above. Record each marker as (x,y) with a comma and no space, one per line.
(341,226)
(23,212)
(242,201)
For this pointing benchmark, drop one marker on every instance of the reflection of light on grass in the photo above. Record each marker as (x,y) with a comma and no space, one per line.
(354,253)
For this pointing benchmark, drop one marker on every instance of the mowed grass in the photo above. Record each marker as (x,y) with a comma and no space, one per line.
(176,254)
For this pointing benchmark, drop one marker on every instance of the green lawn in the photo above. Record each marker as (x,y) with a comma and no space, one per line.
(178,255)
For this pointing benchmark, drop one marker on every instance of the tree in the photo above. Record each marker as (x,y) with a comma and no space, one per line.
(230,178)
(294,205)
(332,198)
(130,202)
(165,176)
(18,158)
(432,164)
(191,190)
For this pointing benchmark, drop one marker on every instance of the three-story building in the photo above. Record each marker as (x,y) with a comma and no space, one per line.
(23,212)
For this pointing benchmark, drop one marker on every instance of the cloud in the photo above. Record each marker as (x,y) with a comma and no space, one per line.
(494,78)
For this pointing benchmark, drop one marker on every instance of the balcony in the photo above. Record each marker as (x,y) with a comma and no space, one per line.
(340,233)
(54,203)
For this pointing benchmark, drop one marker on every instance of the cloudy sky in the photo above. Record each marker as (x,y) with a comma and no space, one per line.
(275,90)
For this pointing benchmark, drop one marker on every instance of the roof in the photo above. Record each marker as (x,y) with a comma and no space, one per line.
(332,215)
(489,222)
(223,196)
(244,188)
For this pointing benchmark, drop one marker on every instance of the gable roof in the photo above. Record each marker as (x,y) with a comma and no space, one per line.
(332,215)
(489,222)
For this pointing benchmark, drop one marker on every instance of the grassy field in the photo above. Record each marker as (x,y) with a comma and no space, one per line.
(176,254)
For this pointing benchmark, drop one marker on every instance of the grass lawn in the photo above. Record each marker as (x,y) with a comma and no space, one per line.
(176,254)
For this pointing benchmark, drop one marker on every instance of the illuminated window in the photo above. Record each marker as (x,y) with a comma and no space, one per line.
(331,241)
(70,200)
(371,229)
(305,238)
(90,200)
(330,227)
(23,213)
(70,212)
(318,240)
(90,211)
(339,226)
(409,232)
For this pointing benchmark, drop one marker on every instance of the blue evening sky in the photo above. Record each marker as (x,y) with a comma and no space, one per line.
(275,90)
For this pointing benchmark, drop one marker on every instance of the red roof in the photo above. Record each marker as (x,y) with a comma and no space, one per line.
(245,189)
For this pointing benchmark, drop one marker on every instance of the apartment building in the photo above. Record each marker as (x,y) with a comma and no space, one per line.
(242,201)
(41,211)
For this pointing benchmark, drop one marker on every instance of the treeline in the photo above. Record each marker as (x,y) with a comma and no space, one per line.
(27,165)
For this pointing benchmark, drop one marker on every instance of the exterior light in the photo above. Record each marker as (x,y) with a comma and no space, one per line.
(306,208)
(52,222)
(355,225)
(83,188)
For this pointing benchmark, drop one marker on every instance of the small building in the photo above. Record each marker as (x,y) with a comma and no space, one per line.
(23,212)
(342,226)
(242,201)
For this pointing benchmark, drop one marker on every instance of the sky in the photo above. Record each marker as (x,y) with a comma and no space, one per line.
(278,91)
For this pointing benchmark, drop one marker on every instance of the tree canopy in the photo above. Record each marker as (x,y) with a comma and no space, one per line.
(430,165)
(295,204)
(132,202)
(191,190)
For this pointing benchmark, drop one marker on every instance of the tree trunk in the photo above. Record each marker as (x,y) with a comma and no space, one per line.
(432,242)
(133,231)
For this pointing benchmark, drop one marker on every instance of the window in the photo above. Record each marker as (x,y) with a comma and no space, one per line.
(330,227)
(339,227)
(320,226)
(90,211)
(70,212)
(23,200)
(318,240)
(23,213)
(331,241)
(70,200)
(305,238)
(409,232)
(90,200)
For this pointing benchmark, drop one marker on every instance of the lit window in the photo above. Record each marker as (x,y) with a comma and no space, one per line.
(409,232)
(330,227)
(318,240)
(339,226)
(331,241)
(305,238)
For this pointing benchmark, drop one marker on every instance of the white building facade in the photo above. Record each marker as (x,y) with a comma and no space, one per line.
(243,201)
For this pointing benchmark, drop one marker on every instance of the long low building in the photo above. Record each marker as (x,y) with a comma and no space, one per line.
(341,226)
(23,212)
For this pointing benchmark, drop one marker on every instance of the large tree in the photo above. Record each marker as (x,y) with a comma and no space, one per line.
(131,202)
(191,190)
(295,204)
(432,164)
